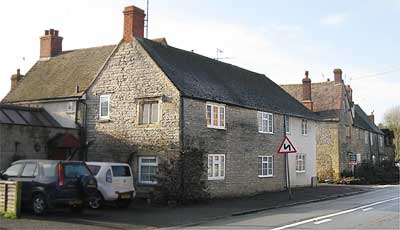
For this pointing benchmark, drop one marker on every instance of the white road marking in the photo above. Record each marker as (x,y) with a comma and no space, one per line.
(366,209)
(333,214)
(322,221)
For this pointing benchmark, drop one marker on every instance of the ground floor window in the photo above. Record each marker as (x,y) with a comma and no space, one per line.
(216,166)
(148,170)
(265,166)
(300,162)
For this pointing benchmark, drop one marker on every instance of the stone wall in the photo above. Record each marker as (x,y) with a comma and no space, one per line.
(129,77)
(26,142)
(327,150)
(241,143)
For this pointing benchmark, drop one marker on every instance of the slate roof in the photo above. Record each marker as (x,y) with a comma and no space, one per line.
(326,97)
(362,121)
(59,76)
(18,115)
(201,77)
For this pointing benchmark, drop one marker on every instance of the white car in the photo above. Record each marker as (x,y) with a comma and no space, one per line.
(114,183)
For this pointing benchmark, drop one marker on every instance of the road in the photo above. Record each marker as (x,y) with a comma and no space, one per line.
(379,209)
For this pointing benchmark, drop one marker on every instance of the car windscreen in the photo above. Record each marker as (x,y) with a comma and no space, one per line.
(13,170)
(75,170)
(121,171)
(94,169)
(49,170)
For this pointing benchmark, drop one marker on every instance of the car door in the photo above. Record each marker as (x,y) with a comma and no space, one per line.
(122,179)
(27,179)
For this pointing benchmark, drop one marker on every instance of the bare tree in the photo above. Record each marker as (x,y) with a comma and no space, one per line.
(391,120)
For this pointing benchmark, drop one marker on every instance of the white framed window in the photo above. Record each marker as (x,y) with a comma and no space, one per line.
(300,162)
(366,137)
(148,112)
(348,131)
(265,122)
(371,138)
(216,166)
(304,127)
(359,158)
(381,141)
(215,115)
(148,167)
(287,124)
(104,107)
(265,166)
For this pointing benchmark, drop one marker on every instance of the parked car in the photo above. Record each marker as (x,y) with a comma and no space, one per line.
(51,183)
(114,183)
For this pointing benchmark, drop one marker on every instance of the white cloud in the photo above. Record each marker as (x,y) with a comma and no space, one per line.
(334,19)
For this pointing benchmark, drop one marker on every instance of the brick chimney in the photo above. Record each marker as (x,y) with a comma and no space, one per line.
(307,101)
(50,44)
(15,78)
(372,117)
(133,23)
(338,75)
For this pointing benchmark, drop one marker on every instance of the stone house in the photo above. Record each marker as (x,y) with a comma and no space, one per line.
(390,148)
(346,136)
(143,102)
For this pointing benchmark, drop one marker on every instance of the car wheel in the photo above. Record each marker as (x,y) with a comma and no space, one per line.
(76,209)
(95,201)
(39,204)
(123,203)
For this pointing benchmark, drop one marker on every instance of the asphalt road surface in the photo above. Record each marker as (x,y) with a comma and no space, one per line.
(379,209)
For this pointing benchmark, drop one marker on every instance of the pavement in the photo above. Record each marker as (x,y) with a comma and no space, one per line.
(377,209)
(143,216)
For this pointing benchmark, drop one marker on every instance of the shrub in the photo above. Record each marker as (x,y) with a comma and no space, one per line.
(382,173)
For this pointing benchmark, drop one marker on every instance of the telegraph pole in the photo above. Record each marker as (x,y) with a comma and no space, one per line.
(286,157)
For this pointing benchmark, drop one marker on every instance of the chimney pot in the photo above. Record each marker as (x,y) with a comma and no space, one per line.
(307,101)
(15,78)
(133,23)
(372,117)
(338,75)
(46,32)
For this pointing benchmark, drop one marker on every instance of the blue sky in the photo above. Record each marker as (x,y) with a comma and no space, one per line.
(281,39)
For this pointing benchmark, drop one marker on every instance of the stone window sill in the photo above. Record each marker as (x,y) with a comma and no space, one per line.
(104,120)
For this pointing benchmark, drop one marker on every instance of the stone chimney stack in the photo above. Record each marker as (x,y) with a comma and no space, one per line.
(133,23)
(372,117)
(338,75)
(307,101)
(15,78)
(50,44)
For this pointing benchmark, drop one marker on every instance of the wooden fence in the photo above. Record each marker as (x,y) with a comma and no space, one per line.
(10,198)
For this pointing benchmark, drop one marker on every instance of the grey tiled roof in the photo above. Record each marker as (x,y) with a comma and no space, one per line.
(59,76)
(204,78)
(362,121)
(18,115)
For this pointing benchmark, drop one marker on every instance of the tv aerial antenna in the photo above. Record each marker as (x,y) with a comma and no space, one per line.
(219,55)
(146,20)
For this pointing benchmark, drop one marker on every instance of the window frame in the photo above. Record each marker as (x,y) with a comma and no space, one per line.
(366,137)
(260,115)
(213,177)
(108,96)
(304,127)
(35,170)
(149,120)
(219,120)
(140,164)
(303,160)
(371,138)
(262,165)
(287,125)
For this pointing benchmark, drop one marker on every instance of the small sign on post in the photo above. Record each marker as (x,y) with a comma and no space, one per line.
(286,146)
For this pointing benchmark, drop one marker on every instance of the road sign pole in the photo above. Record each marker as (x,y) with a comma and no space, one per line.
(287,172)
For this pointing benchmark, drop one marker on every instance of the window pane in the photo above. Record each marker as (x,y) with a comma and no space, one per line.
(13,170)
(104,106)
(149,160)
(49,170)
(94,169)
(215,115)
(29,170)
(75,170)
(145,113)
(222,166)
(208,115)
(216,169)
(121,171)
(222,116)
(154,113)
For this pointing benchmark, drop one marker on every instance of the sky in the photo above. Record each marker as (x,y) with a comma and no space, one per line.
(280,39)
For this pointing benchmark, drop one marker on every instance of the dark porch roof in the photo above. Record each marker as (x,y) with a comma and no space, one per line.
(19,115)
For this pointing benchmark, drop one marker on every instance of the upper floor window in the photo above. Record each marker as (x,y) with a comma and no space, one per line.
(148,113)
(348,131)
(287,124)
(380,141)
(215,115)
(216,166)
(265,122)
(366,137)
(304,127)
(104,110)
(371,138)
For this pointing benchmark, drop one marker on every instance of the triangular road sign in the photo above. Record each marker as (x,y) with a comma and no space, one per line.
(286,146)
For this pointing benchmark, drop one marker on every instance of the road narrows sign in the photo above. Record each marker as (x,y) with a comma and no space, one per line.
(286,146)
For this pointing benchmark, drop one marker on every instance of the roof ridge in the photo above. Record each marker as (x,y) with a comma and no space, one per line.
(87,48)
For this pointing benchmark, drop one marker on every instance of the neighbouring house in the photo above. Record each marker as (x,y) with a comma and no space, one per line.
(346,136)
(144,102)
(390,153)
(33,133)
